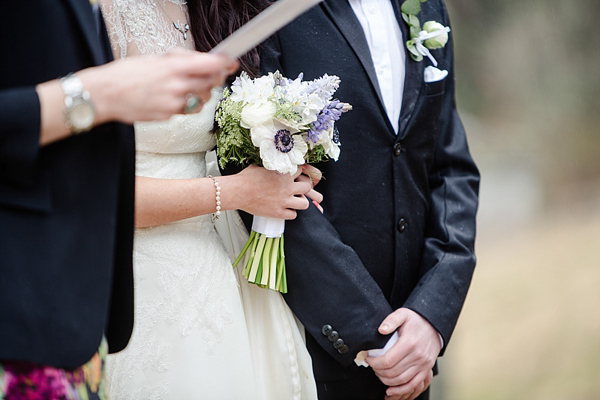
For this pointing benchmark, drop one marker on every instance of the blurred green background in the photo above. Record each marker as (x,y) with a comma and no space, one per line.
(529,95)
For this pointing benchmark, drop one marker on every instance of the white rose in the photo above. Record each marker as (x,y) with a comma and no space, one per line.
(254,114)
(440,40)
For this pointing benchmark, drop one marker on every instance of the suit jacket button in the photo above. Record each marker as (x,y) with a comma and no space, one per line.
(398,149)
(333,336)
(326,330)
(338,344)
(343,350)
(402,225)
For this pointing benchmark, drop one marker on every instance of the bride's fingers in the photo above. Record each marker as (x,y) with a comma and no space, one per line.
(313,173)
(288,214)
(305,178)
(318,207)
(297,173)
(315,196)
(302,187)
(298,203)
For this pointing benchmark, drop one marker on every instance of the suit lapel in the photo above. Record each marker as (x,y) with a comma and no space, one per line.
(413,80)
(343,16)
(87,23)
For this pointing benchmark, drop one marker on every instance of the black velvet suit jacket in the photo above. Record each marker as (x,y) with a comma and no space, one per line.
(66,210)
(399,222)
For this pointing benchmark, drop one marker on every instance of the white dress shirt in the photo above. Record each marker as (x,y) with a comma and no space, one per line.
(387,51)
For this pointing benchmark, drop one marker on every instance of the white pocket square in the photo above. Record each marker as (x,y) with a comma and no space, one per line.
(432,74)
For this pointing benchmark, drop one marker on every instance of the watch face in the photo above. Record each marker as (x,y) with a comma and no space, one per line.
(81,116)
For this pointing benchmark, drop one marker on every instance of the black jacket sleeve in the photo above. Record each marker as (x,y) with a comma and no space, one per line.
(448,252)
(19,135)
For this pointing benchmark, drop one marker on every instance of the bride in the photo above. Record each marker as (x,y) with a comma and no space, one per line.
(199,333)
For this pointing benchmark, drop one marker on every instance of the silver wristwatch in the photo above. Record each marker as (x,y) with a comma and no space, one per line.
(79,113)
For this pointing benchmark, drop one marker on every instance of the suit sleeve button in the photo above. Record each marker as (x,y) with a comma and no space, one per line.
(338,344)
(333,336)
(344,350)
(326,330)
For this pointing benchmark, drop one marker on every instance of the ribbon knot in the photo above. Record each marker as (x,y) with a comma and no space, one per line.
(423,36)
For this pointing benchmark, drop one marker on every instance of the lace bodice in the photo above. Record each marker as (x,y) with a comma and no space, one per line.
(180,134)
(145,26)
(175,149)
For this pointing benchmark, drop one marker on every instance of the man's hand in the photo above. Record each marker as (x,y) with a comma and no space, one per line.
(407,367)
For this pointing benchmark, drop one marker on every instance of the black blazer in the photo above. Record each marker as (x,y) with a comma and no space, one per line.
(66,210)
(399,222)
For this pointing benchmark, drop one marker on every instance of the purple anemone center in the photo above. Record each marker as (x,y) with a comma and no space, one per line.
(284,141)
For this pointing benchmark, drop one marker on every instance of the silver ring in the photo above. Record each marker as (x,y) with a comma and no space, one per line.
(191,102)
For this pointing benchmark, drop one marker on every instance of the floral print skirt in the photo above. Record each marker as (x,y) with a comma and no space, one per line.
(27,381)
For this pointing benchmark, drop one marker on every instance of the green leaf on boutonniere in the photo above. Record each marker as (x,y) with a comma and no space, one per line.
(414,30)
(411,7)
(410,45)
(414,22)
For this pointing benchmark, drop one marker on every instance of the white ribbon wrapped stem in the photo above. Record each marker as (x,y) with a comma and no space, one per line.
(270,227)
(423,36)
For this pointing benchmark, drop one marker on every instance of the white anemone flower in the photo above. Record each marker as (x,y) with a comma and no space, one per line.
(281,149)
(331,143)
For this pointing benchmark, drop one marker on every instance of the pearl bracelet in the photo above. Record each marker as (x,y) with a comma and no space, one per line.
(217,213)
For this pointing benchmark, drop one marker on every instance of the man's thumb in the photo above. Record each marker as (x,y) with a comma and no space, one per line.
(393,321)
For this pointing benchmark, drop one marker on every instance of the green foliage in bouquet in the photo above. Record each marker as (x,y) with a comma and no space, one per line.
(234,144)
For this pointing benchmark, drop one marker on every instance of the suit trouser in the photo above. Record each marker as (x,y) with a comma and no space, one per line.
(364,386)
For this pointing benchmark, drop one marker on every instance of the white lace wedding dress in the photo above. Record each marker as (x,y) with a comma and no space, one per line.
(200,332)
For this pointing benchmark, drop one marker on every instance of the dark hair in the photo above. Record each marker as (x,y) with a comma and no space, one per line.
(214,20)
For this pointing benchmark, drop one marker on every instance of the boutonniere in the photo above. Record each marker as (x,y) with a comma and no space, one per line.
(431,36)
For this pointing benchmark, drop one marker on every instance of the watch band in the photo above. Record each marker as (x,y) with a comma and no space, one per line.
(77,97)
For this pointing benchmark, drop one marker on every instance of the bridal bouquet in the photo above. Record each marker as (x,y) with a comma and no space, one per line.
(278,123)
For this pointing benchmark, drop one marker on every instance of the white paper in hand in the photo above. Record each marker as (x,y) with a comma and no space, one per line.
(262,26)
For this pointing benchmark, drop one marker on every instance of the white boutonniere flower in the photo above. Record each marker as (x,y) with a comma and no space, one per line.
(431,36)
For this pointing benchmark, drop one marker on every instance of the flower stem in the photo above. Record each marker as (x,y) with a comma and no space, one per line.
(246,246)
(257,258)
(275,253)
(266,262)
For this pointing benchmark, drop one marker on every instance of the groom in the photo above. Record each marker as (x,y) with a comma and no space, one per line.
(396,241)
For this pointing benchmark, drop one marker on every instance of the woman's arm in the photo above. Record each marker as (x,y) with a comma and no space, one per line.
(254,190)
(136,89)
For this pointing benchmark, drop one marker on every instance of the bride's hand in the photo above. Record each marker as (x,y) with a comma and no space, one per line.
(312,175)
(259,191)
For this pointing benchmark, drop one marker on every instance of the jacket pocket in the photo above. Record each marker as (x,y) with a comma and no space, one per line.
(435,88)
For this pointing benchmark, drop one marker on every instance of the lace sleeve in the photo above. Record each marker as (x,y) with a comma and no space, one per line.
(115,24)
